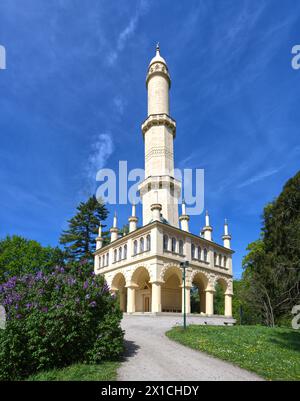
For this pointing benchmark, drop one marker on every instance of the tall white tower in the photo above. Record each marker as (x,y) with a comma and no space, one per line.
(159,186)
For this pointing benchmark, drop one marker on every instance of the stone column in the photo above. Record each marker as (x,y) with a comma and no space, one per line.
(228,305)
(209,301)
(131,298)
(122,300)
(187,299)
(156,297)
(202,301)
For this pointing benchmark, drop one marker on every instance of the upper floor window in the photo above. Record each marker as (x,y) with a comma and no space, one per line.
(125,251)
(193,251)
(107,259)
(115,255)
(173,244)
(199,253)
(148,241)
(142,245)
(215,258)
(220,260)
(225,261)
(135,246)
(120,253)
(205,255)
(166,240)
(180,247)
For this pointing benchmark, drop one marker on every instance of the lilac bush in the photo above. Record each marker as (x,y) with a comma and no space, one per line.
(57,319)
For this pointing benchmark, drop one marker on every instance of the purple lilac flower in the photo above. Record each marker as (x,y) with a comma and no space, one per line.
(18,316)
(28,306)
(105,289)
(93,304)
(85,285)
(39,275)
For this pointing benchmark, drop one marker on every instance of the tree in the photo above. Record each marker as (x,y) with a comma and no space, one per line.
(272,267)
(19,256)
(79,238)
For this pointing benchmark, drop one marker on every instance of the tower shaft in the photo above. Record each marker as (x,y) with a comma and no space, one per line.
(159,131)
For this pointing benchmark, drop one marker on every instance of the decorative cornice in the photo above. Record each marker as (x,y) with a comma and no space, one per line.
(159,119)
(158,68)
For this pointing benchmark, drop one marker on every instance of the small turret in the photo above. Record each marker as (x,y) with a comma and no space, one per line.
(207,229)
(133,220)
(226,237)
(184,218)
(99,239)
(114,230)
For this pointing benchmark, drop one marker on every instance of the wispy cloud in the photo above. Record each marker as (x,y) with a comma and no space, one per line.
(101,150)
(259,177)
(128,31)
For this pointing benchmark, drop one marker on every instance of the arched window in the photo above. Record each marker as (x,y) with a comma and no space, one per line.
(180,247)
(225,262)
(125,252)
(148,240)
(142,244)
(205,254)
(173,244)
(120,253)
(220,260)
(193,251)
(103,260)
(107,259)
(135,246)
(166,240)
(199,253)
(215,258)
(115,255)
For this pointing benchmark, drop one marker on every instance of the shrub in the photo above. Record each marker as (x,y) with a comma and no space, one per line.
(57,319)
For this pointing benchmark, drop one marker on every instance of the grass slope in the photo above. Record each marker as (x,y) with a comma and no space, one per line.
(273,353)
(81,372)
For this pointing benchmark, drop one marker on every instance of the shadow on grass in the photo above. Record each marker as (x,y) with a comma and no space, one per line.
(130,350)
(289,340)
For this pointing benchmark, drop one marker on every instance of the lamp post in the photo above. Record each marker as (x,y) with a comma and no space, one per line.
(184,265)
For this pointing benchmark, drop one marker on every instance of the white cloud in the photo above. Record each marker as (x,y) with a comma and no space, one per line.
(102,149)
(259,177)
(128,31)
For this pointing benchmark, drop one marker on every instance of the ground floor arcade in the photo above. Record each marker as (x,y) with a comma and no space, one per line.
(142,292)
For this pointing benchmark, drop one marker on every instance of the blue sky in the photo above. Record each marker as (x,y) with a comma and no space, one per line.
(73,97)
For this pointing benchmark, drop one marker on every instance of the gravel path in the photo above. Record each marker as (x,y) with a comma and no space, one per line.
(152,356)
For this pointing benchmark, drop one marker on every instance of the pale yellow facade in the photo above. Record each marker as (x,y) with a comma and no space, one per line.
(143,267)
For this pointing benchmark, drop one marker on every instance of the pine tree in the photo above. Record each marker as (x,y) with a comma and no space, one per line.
(79,238)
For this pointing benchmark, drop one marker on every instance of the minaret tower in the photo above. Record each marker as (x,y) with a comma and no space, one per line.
(159,186)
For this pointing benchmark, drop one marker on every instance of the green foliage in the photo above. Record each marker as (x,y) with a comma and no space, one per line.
(54,320)
(20,256)
(243,309)
(272,267)
(272,353)
(219,308)
(79,238)
(80,372)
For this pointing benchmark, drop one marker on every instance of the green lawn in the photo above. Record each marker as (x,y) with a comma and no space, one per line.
(104,371)
(273,353)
